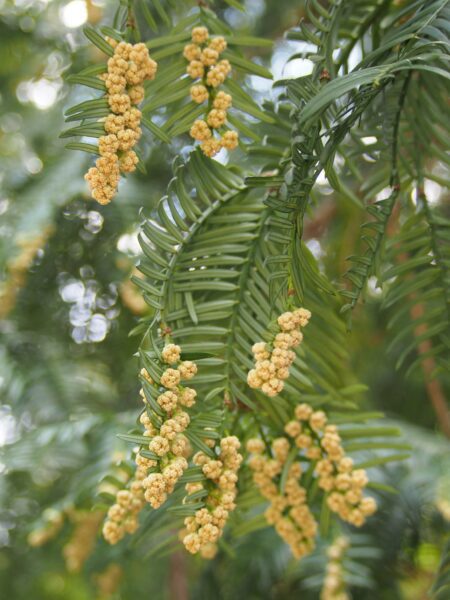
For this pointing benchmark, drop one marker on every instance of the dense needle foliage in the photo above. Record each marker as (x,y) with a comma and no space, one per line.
(286,154)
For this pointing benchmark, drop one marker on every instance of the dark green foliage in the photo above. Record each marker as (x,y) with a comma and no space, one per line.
(227,246)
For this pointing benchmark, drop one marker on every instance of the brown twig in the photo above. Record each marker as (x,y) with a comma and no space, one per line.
(432,385)
(178,589)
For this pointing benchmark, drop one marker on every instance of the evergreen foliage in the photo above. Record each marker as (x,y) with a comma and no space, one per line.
(225,247)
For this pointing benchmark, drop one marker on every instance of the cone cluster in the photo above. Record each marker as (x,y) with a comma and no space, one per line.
(123,514)
(337,477)
(17,268)
(312,441)
(83,538)
(272,362)
(108,581)
(334,584)
(209,72)
(288,510)
(155,478)
(166,428)
(128,68)
(53,520)
(204,529)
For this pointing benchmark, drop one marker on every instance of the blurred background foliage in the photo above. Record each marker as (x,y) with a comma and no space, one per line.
(67,370)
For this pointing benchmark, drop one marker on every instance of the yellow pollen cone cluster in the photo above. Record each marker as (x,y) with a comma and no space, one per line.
(17,269)
(343,484)
(108,581)
(204,529)
(272,363)
(204,65)
(288,511)
(53,522)
(334,584)
(83,538)
(123,514)
(156,477)
(313,442)
(128,68)
(165,426)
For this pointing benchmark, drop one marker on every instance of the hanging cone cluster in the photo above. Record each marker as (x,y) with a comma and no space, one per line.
(205,66)
(310,441)
(273,363)
(128,68)
(204,529)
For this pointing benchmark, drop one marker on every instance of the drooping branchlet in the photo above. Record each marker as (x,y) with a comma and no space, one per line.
(128,68)
(155,478)
(334,587)
(288,511)
(122,517)
(204,65)
(167,441)
(337,477)
(204,529)
(309,440)
(272,362)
